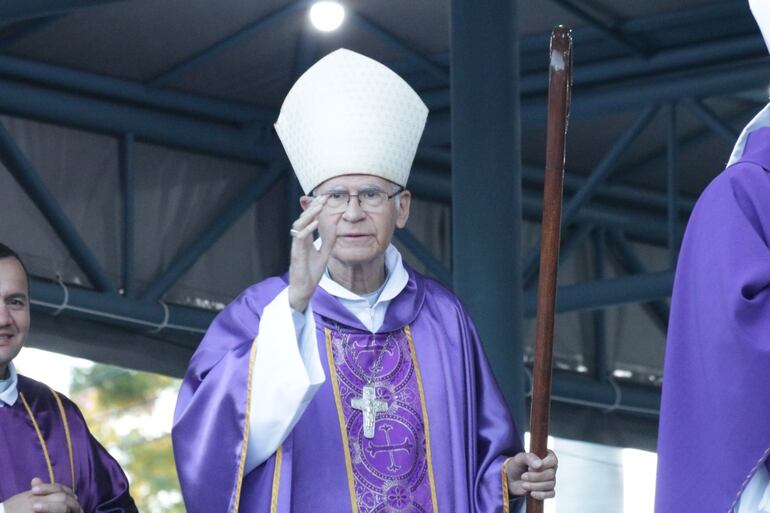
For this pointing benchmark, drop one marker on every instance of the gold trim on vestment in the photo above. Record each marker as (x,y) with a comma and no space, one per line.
(276,480)
(341,416)
(39,437)
(67,436)
(506,493)
(246,425)
(423,404)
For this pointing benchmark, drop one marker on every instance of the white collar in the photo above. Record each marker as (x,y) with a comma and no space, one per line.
(398,277)
(760,120)
(9,389)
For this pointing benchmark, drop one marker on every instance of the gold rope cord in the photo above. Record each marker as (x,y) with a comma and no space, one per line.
(506,493)
(67,435)
(39,437)
(276,480)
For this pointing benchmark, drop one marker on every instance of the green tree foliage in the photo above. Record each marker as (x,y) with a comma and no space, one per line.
(121,408)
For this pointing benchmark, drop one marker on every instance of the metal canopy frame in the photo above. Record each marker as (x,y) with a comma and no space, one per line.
(633,75)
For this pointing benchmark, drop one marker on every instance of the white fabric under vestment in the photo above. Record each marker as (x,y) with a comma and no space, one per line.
(9,391)
(756,496)
(287,369)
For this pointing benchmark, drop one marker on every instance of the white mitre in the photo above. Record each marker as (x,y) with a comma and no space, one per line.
(349,114)
(761,11)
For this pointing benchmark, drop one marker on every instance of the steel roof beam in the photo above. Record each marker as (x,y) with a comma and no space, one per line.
(373,28)
(642,226)
(669,59)
(657,156)
(24,9)
(147,125)
(714,122)
(672,184)
(113,309)
(535,46)
(637,288)
(598,317)
(205,55)
(222,222)
(570,241)
(611,33)
(25,175)
(434,185)
(103,86)
(594,180)
(628,398)
(628,259)
(425,256)
(127,171)
(625,194)
(590,101)
(191,323)
(703,82)
(26,28)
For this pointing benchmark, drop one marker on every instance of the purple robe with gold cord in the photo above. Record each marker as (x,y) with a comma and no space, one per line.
(715,410)
(439,441)
(99,482)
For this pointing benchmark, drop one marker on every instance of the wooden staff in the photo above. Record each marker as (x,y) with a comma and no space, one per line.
(559,85)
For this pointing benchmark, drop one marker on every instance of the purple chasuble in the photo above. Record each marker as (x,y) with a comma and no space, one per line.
(715,411)
(100,484)
(440,438)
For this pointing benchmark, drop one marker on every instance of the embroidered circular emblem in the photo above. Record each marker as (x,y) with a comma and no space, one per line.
(391,454)
(398,497)
(378,359)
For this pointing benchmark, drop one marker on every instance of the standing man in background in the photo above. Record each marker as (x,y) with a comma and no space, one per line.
(49,462)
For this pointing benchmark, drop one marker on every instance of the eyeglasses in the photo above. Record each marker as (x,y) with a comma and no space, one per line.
(368,199)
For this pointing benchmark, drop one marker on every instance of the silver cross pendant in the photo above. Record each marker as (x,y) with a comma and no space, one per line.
(370,406)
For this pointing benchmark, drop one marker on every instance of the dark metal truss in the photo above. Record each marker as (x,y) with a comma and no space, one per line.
(703,63)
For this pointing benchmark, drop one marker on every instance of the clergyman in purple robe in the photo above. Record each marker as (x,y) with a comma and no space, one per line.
(353,383)
(714,437)
(49,461)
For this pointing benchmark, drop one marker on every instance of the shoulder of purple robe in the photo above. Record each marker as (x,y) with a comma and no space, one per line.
(210,429)
(496,436)
(236,325)
(100,483)
(715,414)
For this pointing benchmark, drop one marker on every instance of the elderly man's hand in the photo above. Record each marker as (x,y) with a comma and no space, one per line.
(307,263)
(44,498)
(529,474)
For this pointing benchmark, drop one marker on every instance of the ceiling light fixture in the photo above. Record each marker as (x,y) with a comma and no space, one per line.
(327,16)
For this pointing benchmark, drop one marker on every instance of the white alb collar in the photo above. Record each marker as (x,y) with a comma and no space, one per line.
(9,389)
(761,120)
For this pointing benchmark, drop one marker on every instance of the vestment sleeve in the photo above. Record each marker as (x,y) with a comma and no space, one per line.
(248,368)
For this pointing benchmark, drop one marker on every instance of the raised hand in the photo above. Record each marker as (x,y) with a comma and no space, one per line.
(44,498)
(529,474)
(308,263)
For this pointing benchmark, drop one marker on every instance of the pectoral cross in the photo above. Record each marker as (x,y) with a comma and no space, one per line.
(370,406)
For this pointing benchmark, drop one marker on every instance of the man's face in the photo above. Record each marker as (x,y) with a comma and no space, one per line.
(363,232)
(14,311)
